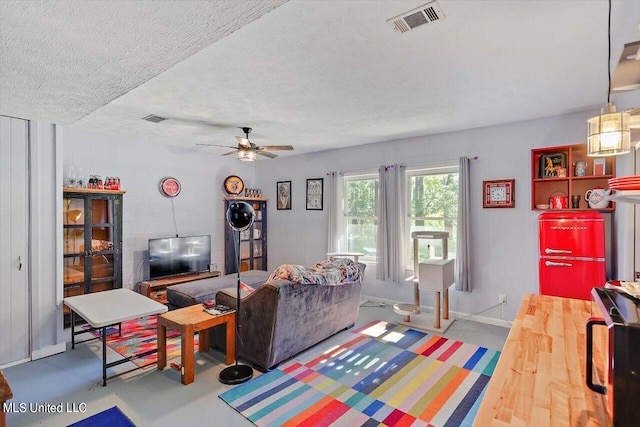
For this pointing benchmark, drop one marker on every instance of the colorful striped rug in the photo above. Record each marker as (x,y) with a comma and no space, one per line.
(380,374)
(140,335)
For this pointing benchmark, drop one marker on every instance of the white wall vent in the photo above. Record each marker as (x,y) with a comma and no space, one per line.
(154,119)
(425,14)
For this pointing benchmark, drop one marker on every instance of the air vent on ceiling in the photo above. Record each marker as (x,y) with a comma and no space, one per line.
(154,119)
(425,14)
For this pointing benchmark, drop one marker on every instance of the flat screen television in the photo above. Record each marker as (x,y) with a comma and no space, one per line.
(173,256)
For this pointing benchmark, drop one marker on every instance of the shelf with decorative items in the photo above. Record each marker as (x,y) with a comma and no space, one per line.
(562,178)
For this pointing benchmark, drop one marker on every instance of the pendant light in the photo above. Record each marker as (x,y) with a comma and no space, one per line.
(609,133)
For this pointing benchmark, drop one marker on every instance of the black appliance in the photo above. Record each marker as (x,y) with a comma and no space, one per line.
(621,316)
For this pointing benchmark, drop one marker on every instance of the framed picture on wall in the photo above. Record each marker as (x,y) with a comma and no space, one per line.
(283,190)
(314,194)
(499,193)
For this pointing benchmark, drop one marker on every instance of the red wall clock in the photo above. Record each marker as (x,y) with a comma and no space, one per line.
(499,193)
(169,186)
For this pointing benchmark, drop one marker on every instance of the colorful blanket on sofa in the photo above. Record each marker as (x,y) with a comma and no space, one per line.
(334,271)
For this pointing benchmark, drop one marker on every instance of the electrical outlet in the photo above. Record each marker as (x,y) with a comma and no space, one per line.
(502,298)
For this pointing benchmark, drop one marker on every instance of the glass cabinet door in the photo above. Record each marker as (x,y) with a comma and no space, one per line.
(103,244)
(73,220)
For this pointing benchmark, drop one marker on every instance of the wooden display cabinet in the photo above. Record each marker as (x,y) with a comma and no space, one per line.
(92,241)
(544,187)
(253,242)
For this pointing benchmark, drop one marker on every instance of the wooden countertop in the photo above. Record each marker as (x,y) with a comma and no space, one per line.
(540,377)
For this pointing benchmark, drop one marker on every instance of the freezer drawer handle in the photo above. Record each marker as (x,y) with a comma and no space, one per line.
(556,251)
(557,264)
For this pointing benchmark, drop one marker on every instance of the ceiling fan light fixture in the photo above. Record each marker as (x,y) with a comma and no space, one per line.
(246,155)
(609,133)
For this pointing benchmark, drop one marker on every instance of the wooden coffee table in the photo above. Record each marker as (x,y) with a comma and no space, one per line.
(188,321)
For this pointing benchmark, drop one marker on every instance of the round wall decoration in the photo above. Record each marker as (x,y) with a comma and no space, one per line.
(169,186)
(233,185)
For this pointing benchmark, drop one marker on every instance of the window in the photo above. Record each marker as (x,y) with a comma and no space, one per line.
(432,194)
(360,216)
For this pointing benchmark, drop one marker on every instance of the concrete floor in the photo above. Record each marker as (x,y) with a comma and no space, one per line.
(157,398)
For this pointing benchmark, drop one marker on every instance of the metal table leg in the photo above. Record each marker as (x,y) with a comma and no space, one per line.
(103,330)
(73,329)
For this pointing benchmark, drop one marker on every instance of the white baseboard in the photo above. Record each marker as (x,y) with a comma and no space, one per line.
(49,350)
(456,314)
(14,363)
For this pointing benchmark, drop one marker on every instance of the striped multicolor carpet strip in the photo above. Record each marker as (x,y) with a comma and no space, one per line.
(379,374)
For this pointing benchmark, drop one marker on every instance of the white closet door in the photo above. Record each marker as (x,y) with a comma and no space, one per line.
(14,267)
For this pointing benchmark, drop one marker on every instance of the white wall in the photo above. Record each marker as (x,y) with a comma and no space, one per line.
(503,241)
(46,259)
(199,207)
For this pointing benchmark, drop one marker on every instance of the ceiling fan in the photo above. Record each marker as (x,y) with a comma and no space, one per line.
(247,150)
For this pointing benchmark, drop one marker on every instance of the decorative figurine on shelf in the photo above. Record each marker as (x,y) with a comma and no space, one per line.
(549,170)
(580,168)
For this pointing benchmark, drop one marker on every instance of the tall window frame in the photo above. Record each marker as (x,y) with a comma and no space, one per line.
(443,218)
(360,219)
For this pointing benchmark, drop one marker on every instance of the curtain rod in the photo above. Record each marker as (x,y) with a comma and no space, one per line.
(372,170)
(449,162)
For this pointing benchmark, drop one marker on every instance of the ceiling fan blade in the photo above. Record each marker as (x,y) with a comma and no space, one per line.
(230,152)
(243,141)
(274,147)
(266,154)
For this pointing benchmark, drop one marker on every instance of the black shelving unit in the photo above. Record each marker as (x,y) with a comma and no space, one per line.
(253,242)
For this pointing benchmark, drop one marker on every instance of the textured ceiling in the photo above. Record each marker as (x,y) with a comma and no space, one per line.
(60,60)
(314,74)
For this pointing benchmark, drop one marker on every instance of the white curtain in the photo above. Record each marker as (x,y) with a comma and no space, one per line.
(335,189)
(463,250)
(392,214)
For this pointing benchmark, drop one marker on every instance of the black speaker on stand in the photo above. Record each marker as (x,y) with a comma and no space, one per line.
(240,217)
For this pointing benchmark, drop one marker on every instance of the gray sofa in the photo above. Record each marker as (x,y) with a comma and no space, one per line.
(199,291)
(280,319)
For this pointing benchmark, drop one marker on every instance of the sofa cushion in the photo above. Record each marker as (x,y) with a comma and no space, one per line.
(198,291)
(335,271)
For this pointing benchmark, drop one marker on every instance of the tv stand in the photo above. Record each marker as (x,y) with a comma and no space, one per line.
(157,289)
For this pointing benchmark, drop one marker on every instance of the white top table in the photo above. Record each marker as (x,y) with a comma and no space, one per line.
(114,306)
(106,308)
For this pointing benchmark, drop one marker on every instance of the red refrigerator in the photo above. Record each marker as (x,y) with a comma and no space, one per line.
(571,253)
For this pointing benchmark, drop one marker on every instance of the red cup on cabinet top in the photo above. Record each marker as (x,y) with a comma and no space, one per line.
(560,201)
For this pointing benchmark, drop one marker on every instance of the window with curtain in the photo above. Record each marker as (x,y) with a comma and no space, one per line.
(360,217)
(432,195)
